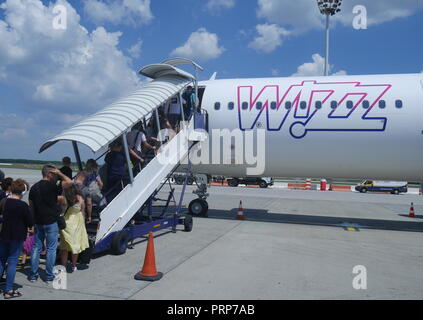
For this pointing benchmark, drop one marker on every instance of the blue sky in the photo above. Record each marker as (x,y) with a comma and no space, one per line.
(50,79)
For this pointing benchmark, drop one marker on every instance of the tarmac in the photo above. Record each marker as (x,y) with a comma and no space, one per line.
(292,245)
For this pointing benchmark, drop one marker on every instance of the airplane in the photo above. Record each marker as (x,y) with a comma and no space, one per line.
(349,127)
(336,127)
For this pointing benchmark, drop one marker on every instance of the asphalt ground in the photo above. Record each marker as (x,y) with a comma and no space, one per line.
(292,245)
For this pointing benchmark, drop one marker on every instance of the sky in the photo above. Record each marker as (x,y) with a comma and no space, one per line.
(63,60)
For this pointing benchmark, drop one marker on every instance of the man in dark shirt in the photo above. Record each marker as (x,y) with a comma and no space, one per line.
(66,169)
(116,170)
(43,204)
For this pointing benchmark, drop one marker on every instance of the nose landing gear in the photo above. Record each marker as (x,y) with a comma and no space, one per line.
(199,207)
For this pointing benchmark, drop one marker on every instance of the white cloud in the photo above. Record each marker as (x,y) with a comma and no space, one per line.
(201,45)
(270,37)
(132,12)
(315,68)
(275,72)
(298,15)
(71,70)
(216,5)
(135,50)
(13,126)
(303,15)
(340,73)
(380,11)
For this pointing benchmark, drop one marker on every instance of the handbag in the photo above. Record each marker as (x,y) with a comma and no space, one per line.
(61,222)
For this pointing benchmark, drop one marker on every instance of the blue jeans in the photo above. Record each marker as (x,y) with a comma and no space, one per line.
(9,253)
(50,233)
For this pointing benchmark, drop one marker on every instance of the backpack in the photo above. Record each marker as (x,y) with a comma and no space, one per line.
(95,192)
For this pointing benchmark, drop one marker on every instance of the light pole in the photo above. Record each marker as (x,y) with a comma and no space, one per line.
(328,8)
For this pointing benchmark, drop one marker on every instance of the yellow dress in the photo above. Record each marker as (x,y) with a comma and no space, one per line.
(74,237)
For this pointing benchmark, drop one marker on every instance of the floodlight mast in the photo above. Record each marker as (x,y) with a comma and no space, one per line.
(328,8)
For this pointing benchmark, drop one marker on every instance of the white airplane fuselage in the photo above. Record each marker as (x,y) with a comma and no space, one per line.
(335,127)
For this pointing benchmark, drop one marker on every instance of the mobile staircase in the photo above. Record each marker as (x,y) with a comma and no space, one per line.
(137,209)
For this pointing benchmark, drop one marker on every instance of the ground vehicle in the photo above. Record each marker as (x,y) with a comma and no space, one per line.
(394,187)
(262,182)
(179,178)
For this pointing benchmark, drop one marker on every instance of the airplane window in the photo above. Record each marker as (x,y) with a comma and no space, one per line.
(259,105)
(217,106)
(334,104)
(382,104)
(318,104)
(288,105)
(350,104)
(245,105)
(366,104)
(231,105)
(303,105)
(398,104)
(273,105)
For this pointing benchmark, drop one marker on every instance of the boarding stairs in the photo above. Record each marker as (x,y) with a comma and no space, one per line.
(128,202)
(116,221)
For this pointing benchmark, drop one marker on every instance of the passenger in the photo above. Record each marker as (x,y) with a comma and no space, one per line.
(6,185)
(84,192)
(151,130)
(1,175)
(116,170)
(135,139)
(43,199)
(17,219)
(139,145)
(28,246)
(174,113)
(66,169)
(167,131)
(190,98)
(94,182)
(151,136)
(74,237)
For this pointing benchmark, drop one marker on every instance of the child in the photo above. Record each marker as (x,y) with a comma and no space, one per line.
(28,246)
(74,237)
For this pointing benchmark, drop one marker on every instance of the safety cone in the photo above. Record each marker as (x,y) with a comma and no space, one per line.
(240,214)
(149,272)
(411,214)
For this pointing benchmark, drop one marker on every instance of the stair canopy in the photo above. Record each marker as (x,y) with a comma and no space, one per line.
(105,126)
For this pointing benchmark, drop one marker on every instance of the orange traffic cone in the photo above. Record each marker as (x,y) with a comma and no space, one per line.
(411,214)
(149,272)
(240,214)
